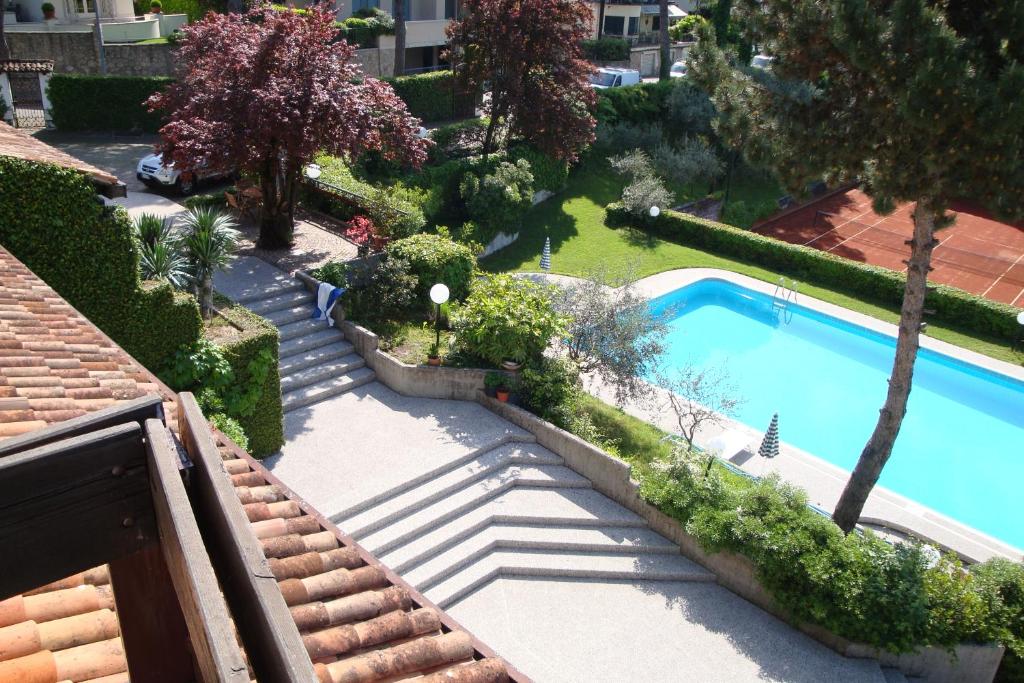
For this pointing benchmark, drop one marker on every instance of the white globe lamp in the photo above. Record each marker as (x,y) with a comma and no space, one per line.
(313,171)
(655,212)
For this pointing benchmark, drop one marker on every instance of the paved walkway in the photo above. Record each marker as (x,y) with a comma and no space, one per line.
(494,528)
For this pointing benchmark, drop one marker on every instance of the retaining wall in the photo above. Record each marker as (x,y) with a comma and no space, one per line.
(75,53)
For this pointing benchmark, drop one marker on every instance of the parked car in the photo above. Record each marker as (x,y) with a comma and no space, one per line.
(763,62)
(608,77)
(152,171)
(679,69)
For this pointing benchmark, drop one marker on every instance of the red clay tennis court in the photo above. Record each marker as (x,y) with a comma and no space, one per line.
(977,253)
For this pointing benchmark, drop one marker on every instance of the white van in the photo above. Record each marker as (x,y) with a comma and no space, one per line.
(608,77)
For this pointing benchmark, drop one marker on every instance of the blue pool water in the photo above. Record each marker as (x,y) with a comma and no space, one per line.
(960,450)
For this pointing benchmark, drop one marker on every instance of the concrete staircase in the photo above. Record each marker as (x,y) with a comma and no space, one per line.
(316,361)
(512,510)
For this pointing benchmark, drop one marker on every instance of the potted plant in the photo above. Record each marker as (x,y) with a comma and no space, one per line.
(49,11)
(511,365)
(434,355)
(155,7)
(498,383)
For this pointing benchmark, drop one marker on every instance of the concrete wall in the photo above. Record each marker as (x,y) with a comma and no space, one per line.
(76,53)
(378,62)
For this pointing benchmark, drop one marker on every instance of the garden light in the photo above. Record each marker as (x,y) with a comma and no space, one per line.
(313,171)
(655,212)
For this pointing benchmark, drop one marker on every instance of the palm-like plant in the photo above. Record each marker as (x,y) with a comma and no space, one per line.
(160,252)
(150,229)
(209,238)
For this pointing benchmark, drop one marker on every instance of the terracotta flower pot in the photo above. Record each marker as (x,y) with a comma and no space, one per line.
(433,360)
(502,395)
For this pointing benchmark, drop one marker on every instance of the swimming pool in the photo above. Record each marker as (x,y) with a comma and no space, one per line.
(960,450)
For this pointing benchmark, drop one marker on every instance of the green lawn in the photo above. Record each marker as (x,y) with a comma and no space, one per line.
(574,220)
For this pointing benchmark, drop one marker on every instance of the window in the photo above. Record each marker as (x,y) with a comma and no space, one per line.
(614,25)
(364,4)
(634,23)
(655,23)
(449,9)
(85,6)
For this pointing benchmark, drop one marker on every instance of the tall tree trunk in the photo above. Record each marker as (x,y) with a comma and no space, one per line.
(879,447)
(399,12)
(206,294)
(276,224)
(496,112)
(666,47)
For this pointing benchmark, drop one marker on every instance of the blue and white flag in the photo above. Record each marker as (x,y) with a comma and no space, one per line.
(326,296)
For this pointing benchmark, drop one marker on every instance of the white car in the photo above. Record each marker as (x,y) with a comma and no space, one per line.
(608,77)
(679,69)
(152,171)
(763,62)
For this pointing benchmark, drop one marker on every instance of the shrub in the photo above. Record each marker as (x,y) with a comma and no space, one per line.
(645,189)
(498,200)
(433,259)
(638,104)
(433,96)
(231,429)
(741,214)
(156,5)
(357,31)
(606,50)
(50,220)
(1001,585)
(690,110)
(389,293)
(457,140)
(548,173)
(686,27)
(507,318)
(104,103)
(950,304)
(392,213)
(334,272)
(621,137)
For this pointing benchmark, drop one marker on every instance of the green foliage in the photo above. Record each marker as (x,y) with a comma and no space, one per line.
(388,294)
(334,272)
(51,222)
(742,214)
(548,173)
(806,263)
(685,28)
(457,140)
(433,259)
(606,49)
(231,428)
(47,7)
(1001,583)
(507,318)
(498,200)
(195,9)
(433,96)
(104,103)
(393,213)
(639,104)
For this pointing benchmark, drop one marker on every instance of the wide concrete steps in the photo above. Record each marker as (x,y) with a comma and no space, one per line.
(313,339)
(276,298)
(446,483)
(412,526)
(540,563)
(497,537)
(323,354)
(574,507)
(322,371)
(314,393)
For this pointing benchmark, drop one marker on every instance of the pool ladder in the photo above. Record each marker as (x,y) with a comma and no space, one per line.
(783,296)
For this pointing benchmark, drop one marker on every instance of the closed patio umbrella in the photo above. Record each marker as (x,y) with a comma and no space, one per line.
(545,256)
(770,446)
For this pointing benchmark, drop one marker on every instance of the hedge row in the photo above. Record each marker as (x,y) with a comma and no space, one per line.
(50,220)
(606,50)
(433,96)
(265,425)
(949,304)
(107,103)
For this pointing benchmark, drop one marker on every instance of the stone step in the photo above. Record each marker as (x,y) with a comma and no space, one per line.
(445,484)
(520,505)
(498,537)
(310,341)
(597,566)
(301,328)
(323,354)
(313,393)
(278,301)
(320,372)
(293,314)
(513,435)
(893,675)
(271,291)
(473,496)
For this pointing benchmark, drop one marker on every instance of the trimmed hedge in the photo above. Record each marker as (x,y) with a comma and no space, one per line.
(606,50)
(50,220)
(107,103)
(950,304)
(548,173)
(433,96)
(264,425)
(637,104)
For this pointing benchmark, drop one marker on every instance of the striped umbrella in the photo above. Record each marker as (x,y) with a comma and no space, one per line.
(545,256)
(770,446)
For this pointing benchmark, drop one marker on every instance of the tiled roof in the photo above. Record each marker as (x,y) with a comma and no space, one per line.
(39,66)
(358,620)
(55,364)
(17,143)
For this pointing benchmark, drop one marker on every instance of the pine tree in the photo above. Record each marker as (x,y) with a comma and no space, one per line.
(920,100)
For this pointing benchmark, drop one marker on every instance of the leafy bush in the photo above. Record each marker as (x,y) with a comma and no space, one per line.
(51,222)
(606,50)
(498,200)
(638,104)
(433,259)
(391,212)
(457,140)
(507,318)
(964,310)
(686,27)
(645,189)
(690,160)
(743,215)
(548,173)
(334,272)
(1001,583)
(433,96)
(621,137)
(104,103)
(389,293)
(689,110)
(231,428)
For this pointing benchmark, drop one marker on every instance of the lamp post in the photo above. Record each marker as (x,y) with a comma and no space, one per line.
(439,295)
(312,171)
(655,211)
(1020,331)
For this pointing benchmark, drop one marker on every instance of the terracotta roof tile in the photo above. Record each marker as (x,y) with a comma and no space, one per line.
(18,143)
(44,66)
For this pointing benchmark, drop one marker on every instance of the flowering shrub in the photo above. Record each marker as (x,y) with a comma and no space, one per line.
(360,230)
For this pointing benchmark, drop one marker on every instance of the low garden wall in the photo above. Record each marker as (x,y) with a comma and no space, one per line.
(967,664)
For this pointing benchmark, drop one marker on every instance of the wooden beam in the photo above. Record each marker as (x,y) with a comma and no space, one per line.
(71,505)
(137,410)
(268,632)
(199,604)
